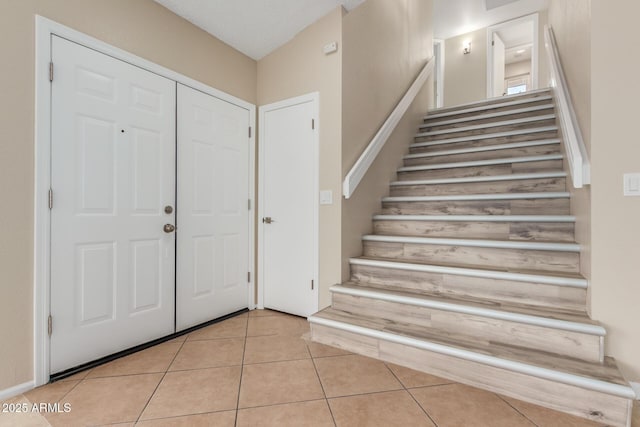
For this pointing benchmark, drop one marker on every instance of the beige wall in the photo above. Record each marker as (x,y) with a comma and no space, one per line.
(615,150)
(141,27)
(385,45)
(301,67)
(517,69)
(465,76)
(571,24)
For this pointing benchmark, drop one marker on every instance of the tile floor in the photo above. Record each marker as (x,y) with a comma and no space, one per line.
(257,369)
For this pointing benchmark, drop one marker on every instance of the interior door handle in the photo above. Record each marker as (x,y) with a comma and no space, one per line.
(169,228)
(267,220)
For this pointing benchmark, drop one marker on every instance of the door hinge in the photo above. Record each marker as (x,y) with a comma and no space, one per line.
(248,277)
(50,325)
(311,284)
(50,71)
(50,198)
(313,124)
(249,131)
(248,204)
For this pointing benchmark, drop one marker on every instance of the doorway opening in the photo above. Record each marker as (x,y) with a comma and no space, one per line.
(512,57)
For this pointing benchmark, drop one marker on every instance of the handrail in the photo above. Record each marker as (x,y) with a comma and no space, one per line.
(367,157)
(576,151)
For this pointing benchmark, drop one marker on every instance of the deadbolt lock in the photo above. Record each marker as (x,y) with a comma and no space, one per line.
(168,209)
(169,228)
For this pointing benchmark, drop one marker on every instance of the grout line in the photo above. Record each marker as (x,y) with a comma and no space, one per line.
(516,409)
(160,382)
(324,393)
(386,364)
(244,351)
(171,417)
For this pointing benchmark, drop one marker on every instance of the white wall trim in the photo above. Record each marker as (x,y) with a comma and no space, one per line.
(10,392)
(45,28)
(439,69)
(314,98)
(577,156)
(361,166)
(636,388)
(534,50)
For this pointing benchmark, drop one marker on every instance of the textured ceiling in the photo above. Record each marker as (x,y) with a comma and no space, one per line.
(255,27)
(455,17)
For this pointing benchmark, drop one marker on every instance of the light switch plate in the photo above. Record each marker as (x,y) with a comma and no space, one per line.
(326,197)
(632,184)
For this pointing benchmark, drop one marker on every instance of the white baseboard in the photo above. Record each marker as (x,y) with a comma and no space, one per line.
(10,392)
(636,388)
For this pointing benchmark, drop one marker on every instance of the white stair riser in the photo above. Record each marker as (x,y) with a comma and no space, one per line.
(561,298)
(485,155)
(522,259)
(488,170)
(557,232)
(480,328)
(480,207)
(453,133)
(552,394)
(516,186)
(512,115)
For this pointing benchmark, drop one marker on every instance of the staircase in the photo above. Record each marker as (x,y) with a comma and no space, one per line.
(472,270)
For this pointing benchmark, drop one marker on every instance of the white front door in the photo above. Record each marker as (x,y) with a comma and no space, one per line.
(113,173)
(498,65)
(288,256)
(213,211)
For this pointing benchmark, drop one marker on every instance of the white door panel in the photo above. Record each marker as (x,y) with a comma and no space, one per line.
(113,172)
(213,215)
(289,253)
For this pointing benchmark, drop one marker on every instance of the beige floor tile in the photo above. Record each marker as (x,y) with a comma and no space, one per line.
(321,350)
(411,378)
(544,417)
(50,393)
(635,418)
(277,325)
(22,419)
(236,327)
(209,354)
(461,405)
(303,414)
(111,400)
(75,377)
(179,339)
(388,409)
(216,419)
(354,374)
(275,348)
(266,312)
(279,382)
(195,392)
(150,360)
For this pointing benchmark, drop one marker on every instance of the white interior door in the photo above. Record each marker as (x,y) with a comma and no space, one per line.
(113,173)
(213,212)
(498,65)
(289,193)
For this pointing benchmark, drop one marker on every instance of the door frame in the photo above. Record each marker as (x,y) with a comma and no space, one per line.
(45,28)
(535,49)
(439,53)
(314,98)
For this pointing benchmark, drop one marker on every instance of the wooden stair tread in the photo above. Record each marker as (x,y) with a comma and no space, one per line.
(501,269)
(605,372)
(477,242)
(564,315)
